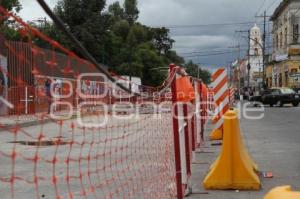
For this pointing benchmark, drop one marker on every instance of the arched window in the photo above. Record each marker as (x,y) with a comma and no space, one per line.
(256,51)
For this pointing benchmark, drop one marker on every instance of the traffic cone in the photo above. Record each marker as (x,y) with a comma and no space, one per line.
(234,169)
(284,192)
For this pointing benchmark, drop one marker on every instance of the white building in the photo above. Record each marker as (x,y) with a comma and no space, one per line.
(256,57)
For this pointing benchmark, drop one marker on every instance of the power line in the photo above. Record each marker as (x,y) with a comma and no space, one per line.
(210,54)
(218,51)
(80,46)
(260,7)
(270,5)
(209,25)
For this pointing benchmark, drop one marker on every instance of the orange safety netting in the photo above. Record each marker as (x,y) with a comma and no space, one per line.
(97,141)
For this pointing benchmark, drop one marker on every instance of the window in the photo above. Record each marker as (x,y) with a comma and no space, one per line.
(287,91)
(285,17)
(295,33)
(275,92)
(286,78)
(280,40)
(256,51)
(280,80)
(294,70)
(267,92)
(285,37)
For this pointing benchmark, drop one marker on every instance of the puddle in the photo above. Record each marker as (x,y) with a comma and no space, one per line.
(41,143)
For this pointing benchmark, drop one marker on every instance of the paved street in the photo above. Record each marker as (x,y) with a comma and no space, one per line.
(273,142)
(113,162)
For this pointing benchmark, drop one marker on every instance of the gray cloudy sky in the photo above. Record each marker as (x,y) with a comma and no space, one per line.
(188,21)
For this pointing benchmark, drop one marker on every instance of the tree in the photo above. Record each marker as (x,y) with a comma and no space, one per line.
(116,11)
(151,61)
(162,40)
(11,5)
(121,28)
(194,70)
(172,57)
(48,28)
(131,69)
(89,24)
(131,11)
(8,28)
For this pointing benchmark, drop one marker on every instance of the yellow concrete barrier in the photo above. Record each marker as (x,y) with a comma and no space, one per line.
(234,168)
(284,192)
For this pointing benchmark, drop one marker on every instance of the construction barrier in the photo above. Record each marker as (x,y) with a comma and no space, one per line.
(100,139)
(221,99)
(284,192)
(188,125)
(233,169)
(232,92)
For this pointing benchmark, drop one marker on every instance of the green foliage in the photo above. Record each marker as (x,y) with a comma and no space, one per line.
(49,29)
(87,21)
(131,69)
(112,36)
(11,5)
(131,11)
(162,40)
(8,28)
(151,62)
(116,11)
(121,28)
(194,70)
(10,33)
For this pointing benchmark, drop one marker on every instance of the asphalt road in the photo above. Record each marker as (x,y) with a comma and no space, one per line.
(274,144)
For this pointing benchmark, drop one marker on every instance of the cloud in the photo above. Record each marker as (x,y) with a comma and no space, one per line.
(197,42)
(190,12)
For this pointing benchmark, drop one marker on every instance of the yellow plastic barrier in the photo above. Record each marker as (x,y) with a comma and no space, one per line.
(234,168)
(284,192)
(217,134)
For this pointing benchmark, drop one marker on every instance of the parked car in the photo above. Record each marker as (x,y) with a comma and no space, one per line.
(297,90)
(278,96)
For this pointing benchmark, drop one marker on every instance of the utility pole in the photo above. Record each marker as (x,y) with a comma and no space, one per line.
(264,48)
(238,47)
(249,65)
(264,51)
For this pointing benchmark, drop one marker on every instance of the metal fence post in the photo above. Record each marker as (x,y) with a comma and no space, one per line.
(176,134)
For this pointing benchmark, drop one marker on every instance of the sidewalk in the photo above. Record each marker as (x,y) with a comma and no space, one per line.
(11,121)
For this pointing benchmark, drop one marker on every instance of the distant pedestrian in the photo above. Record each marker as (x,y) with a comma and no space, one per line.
(48,94)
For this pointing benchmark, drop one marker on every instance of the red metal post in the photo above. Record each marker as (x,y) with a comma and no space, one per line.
(203,108)
(176,135)
(187,139)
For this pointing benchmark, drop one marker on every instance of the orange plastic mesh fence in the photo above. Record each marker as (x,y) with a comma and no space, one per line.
(97,142)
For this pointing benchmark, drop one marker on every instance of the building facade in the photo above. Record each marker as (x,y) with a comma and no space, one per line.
(286,45)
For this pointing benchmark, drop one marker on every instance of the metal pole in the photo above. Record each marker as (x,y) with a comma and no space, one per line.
(249,65)
(176,135)
(264,51)
(26,100)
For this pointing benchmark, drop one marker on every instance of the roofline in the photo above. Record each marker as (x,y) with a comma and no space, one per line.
(279,9)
